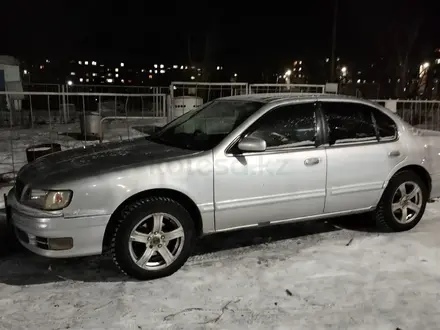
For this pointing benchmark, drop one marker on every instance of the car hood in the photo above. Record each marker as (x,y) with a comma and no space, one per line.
(99,159)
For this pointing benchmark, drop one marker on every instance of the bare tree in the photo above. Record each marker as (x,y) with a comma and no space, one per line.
(210,43)
(392,32)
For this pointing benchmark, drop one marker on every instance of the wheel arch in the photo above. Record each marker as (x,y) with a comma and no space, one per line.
(420,171)
(175,195)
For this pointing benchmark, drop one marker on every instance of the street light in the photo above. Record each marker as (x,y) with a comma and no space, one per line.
(344,71)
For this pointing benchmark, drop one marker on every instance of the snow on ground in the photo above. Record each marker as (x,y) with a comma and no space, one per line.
(312,275)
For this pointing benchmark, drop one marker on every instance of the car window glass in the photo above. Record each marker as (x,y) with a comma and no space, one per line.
(203,128)
(287,126)
(349,122)
(385,125)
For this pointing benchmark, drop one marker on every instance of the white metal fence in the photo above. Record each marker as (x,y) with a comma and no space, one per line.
(32,118)
(45,115)
(419,113)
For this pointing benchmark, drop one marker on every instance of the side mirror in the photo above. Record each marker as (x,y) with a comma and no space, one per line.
(252,144)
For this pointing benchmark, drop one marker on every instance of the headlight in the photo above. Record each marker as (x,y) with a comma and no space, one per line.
(47,199)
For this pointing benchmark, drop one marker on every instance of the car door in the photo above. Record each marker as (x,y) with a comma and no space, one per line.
(284,182)
(363,149)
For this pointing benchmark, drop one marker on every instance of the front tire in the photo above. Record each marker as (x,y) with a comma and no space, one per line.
(403,203)
(154,238)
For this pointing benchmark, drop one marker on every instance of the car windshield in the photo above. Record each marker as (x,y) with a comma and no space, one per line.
(205,127)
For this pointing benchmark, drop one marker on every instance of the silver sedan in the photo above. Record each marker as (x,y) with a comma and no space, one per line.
(232,163)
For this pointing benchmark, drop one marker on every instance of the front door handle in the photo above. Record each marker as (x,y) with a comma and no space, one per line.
(394,153)
(311,161)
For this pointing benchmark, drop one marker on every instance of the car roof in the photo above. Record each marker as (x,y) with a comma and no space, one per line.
(281,97)
(275,98)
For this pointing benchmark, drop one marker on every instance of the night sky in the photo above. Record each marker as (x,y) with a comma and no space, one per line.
(241,32)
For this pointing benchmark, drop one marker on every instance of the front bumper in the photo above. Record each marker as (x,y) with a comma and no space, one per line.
(36,230)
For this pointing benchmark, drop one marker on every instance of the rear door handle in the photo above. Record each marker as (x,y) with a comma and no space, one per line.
(394,153)
(311,161)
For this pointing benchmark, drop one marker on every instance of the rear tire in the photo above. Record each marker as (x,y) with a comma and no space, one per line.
(154,238)
(403,203)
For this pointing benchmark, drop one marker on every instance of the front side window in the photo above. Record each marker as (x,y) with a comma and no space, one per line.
(349,122)
(205,127)
(287,126)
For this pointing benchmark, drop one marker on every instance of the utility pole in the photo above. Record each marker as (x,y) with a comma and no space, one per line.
(333,59)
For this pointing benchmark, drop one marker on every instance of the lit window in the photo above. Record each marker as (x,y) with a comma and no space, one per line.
(116,70)
(235,75)
(122,65)
(142,70)
(218,68)
(117,75)
(161,66)
(109,74)
(25,72)
(192,77)
(72,73)
(327,60)
(70,83)
(94,74)
(175,66)
(109,80)
(300,68)
(162,71)
(186,68)
(47,61)
(151,71)
(181,68)
(41,67)
(80,62)
(81,79)
(437,61)
(155,71)
(86,62)
(87,80)
(122,80)
(300,62)
(155,66)
(93,62)
(150,76)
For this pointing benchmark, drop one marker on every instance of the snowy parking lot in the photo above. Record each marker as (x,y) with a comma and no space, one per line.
(336,275)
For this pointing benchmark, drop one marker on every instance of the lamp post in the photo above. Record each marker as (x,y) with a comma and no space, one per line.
(333,57)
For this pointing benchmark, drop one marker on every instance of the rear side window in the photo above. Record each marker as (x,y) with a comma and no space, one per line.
(349,122)
(386,127)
